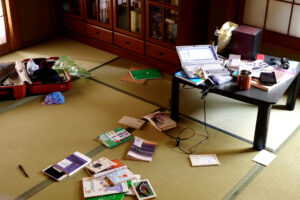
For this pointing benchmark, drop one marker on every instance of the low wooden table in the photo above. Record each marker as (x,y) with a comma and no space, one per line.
(262,99)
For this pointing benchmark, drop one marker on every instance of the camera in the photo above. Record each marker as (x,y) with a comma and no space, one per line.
(283,63)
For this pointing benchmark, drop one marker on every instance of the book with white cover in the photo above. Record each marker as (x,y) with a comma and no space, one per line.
(73,163)
(204,160)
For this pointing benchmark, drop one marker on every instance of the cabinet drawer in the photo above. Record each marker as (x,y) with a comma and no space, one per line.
(161,53)
(73,25)
(129,43)
(99,33)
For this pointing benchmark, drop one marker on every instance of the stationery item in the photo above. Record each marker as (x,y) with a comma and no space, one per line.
(100,165)
(244,80)
(23,170)
(93,187)
(182,75)
(141,149)
(264,157)
(161,121)
(145,74)
(204,160)
(131,122)
(115,137)
(143,190)
(73,163)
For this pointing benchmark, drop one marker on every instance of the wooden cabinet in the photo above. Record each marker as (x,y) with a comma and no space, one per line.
(147,31)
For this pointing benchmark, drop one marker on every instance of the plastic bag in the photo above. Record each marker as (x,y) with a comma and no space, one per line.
(54,98)
(225,35)
(66,63)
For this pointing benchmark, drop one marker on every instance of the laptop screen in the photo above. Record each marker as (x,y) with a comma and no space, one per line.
(197,54)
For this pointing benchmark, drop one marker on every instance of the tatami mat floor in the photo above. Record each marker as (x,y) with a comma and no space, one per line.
(37,136)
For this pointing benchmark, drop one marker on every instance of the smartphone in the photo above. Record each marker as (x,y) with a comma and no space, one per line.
(55,173)
(267,78)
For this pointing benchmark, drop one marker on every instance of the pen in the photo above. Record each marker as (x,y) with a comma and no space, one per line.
(23,170)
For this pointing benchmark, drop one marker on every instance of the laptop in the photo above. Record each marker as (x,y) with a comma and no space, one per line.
(200,57)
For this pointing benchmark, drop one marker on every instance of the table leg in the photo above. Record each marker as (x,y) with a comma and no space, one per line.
(292,94)
(262,125)
(175,99)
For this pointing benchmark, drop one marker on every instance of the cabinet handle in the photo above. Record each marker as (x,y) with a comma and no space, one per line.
(127,42)
(161,53)
(97,33)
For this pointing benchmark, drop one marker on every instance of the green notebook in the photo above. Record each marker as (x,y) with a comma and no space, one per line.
(145,74)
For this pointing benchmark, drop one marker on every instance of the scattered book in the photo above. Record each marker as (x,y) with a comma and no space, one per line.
(182,75)
(143,190)
(204,160)
(145,74)
(141,149)
(115,137)
(161,121)
(128,78)
(131,122)
(119,176)
(119,196)
(94,187)
(73,163)
(264,157)
(100,165)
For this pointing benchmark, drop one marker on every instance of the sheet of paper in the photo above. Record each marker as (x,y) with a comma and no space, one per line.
(264,157)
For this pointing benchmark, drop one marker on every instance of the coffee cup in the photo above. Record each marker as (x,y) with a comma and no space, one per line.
(244,80)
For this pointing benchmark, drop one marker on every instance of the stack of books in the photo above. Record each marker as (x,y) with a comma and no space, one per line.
(114,181)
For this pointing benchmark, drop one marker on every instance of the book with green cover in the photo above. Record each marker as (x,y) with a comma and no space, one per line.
(114,137)
(109,197)
(145,74)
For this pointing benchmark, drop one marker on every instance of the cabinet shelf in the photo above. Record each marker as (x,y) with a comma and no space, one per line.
(144,30)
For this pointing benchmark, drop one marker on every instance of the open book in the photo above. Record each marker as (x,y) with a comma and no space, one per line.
(161,121)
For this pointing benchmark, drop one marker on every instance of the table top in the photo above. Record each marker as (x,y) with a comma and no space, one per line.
(253,95)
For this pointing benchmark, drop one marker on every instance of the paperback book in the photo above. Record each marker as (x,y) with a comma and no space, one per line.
(115,137)
(161,121)
(94,187)
(100,165)
(73,163)
(143,190)
(145,74)
(141,149)
(182,75)
(204,160)
(120,176)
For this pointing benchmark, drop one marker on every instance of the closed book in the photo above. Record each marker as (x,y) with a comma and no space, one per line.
(95,187)
(141,149)
(115,137)
(100,165)
(182,75)
(73,163)
(145,74)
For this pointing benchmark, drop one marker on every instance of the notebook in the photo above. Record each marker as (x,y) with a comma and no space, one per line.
(200,57)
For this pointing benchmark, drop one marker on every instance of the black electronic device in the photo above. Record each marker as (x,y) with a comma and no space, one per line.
(284,63)
(267,78)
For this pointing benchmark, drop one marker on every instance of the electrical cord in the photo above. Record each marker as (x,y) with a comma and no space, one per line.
(194,147)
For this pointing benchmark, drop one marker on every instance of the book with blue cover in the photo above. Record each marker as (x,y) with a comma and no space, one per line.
(73,163)
(182,75)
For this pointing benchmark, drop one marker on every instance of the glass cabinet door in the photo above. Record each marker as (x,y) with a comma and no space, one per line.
(98,11)
(128,16)
(71,7)
(163,21)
